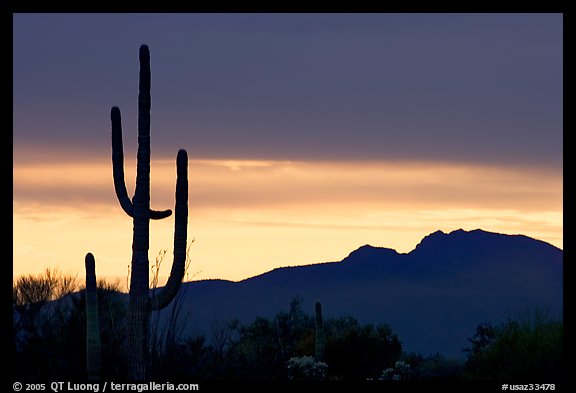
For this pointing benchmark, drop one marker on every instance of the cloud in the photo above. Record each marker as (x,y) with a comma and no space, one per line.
(302,185)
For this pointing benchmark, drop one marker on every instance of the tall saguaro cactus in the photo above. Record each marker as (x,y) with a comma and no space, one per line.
(320,341)
(93,346)
(140,303)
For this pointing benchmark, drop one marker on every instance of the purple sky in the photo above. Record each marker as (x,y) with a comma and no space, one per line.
(473,88)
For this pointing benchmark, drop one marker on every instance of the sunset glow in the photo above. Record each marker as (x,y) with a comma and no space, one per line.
(248,217)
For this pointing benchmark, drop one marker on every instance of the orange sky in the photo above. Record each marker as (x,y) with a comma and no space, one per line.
(248,217)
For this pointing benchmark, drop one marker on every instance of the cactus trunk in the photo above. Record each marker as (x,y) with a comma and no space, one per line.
(93,345)
(139,314)
(320,341)
(140,304)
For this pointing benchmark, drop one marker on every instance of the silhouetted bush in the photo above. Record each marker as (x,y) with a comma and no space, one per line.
(306,368)
(528,349)
(432,367)
(49,327)
(359,352)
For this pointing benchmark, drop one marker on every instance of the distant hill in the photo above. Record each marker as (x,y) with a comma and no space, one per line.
(433,297)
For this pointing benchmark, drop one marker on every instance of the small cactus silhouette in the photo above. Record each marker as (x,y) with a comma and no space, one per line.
(140,303)
(320,341)
(93,345)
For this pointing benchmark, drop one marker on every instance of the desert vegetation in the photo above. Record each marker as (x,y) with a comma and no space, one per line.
(49,331)
(49,326)
(529,347)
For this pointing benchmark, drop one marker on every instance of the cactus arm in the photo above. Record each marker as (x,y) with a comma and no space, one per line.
(169,291)
(118,169)
(93,343)
(320,341)
(159,214)
(118,162)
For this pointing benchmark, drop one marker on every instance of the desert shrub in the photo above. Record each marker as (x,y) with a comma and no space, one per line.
(306,368)
(433,367)
(356,351)
(281,348)
(525,349)
(49,327)
(400,372)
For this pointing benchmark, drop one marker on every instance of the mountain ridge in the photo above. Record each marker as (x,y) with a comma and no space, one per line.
(369,249)
(433,296)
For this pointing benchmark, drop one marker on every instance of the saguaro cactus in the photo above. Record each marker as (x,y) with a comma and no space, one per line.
(93,346)
(140,303)
(320,342)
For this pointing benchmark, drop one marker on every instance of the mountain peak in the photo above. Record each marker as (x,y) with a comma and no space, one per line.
(369,253)
(476,242)
(439,237)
